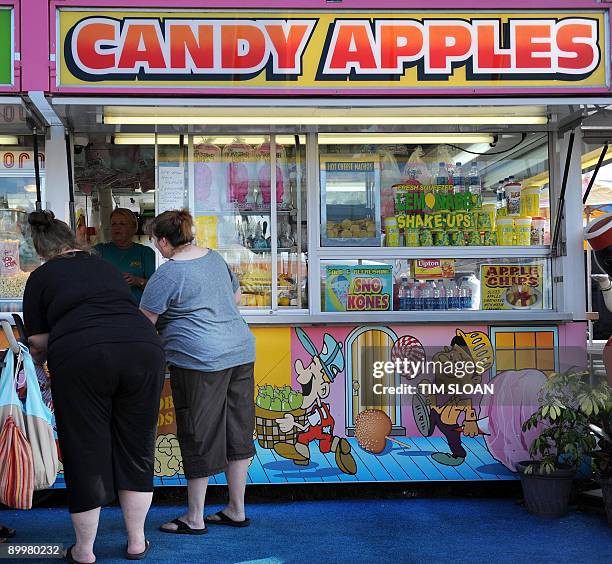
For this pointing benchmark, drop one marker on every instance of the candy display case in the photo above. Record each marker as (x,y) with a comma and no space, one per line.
(248,201)
(17,257)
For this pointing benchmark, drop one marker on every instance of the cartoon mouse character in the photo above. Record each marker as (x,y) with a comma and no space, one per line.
(315,380)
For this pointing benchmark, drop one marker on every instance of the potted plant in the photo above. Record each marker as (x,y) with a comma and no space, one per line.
(601,424)
(564,440)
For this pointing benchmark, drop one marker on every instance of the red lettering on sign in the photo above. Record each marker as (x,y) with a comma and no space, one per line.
(399,43)
(242,47)
(352,48)
(575,41)
(533,46)
(489,57)
(447,43)
(287,45)
(88,41)
(184,45)
(141,48)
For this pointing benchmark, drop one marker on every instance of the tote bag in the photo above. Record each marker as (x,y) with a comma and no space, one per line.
(16,460)
(37,419)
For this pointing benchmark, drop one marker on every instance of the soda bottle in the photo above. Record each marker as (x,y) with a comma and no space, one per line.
(402,294)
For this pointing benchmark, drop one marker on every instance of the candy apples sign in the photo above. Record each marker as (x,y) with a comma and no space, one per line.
(321,51)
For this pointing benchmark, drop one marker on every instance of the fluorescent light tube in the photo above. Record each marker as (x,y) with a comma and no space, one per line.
(144,139)
(9,140)
(300,119)
(403,138)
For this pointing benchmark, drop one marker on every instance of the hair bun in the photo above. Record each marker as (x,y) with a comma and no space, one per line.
(41,220)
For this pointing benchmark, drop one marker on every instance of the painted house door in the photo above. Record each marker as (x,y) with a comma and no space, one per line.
(364,346)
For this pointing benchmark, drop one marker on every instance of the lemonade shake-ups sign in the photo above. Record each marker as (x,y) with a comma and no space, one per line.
(511,286)
(359,288)
(313,50)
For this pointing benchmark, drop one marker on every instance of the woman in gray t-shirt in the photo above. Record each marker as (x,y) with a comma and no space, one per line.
(193,300)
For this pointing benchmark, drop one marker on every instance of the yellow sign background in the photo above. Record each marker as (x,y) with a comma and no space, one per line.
(313,53)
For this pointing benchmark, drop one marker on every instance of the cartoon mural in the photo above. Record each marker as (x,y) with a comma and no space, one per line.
(318,420)
(445,410)
(318,423)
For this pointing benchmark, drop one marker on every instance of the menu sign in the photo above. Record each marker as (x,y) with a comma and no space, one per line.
(359,288)
(511,286)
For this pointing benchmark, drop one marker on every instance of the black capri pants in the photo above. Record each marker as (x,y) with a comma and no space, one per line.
(215,417)
(106,400)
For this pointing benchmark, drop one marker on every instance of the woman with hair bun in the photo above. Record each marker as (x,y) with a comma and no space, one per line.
(107,370)
(211,352)
(136,262)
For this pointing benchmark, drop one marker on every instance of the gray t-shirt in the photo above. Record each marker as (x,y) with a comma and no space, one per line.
(199,321)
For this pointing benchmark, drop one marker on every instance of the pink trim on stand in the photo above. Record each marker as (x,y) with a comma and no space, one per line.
(242,91)
(320,6)
(35,61)
(340,6)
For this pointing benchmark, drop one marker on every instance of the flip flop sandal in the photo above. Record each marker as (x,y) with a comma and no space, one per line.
(7,532)
(182,528)
(69,558)
(225,520)
(139,555)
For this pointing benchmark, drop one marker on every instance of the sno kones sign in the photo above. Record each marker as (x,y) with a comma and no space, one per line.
(305,52)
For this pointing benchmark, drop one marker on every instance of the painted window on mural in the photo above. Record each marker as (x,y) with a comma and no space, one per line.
(518,350)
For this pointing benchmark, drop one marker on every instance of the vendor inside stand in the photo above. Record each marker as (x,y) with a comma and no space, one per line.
(136,262)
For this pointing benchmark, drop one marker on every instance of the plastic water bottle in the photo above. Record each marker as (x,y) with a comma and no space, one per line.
(459,178)
(429,303)
(419,303)
(441,296)
(442,177)
(501,194)
(453,295)
(474,180)
(402,294)
(411,296)
(464,298)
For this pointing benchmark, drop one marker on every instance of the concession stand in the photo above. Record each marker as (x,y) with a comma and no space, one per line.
(396,189)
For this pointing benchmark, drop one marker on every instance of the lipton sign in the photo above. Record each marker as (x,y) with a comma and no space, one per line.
(324,51)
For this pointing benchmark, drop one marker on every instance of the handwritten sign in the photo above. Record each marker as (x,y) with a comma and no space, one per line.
(171,188)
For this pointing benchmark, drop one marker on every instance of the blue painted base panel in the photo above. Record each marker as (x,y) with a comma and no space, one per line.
(412,462)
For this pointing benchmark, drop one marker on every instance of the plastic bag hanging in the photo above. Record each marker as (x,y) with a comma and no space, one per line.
(208,173)
(416,171)
(390,175)
(239,160)
(262,156)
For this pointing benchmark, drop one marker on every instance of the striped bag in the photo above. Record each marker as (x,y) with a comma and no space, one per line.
(16,458)
(16,461)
